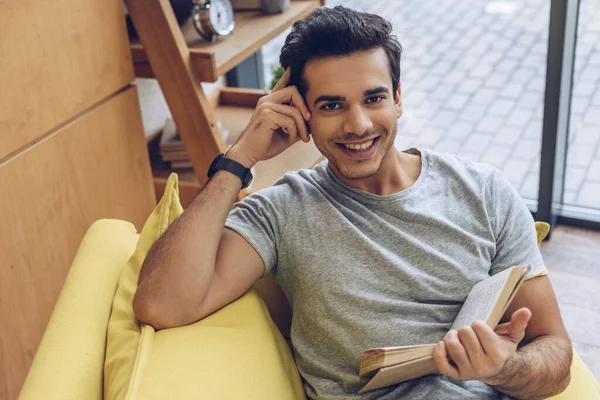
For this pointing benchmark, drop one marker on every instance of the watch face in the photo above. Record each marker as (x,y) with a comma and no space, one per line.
(221,16)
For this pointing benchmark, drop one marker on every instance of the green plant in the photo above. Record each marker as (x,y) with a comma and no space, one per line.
(277,71)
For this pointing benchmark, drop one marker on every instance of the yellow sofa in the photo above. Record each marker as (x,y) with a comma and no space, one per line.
(236,353)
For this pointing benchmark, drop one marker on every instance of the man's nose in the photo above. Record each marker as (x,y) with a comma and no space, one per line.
(357,121)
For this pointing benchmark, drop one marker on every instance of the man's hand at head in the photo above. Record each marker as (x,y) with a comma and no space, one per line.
(478,352)
(279,120)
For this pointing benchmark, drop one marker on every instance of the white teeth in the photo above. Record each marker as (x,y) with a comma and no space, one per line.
(362,146)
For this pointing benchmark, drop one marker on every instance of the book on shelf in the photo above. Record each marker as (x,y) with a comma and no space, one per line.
(171,147)
(487,301)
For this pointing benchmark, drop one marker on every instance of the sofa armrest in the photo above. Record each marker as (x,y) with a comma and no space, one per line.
(69,361)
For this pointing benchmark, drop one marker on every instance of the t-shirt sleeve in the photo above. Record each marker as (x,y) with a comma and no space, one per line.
(514,229)
(257,218)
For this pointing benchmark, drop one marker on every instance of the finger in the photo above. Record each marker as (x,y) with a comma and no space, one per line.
(440,357)
(518,323)
(283,81)
(487,337)
(291,95)
(283,124)
(456,351)
(471,343)
(295,114)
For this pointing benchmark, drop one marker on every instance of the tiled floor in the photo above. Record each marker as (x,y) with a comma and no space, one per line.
(473,76)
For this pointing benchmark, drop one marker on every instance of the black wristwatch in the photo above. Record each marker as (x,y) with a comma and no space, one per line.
(222,162)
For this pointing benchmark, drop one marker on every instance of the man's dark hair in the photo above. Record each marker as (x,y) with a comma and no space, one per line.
(338,31)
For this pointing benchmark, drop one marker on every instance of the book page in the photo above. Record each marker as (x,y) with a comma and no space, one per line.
(481,300)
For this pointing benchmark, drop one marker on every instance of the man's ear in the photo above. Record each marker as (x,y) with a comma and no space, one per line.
(398,102)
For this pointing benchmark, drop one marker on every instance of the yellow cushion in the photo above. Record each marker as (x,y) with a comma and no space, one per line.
(68,363)
(583,385)
(235,353)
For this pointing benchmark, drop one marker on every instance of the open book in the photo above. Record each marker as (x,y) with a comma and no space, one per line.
(487,301)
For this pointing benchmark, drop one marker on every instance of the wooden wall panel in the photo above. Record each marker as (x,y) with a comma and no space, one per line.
(95,167)
(57,58)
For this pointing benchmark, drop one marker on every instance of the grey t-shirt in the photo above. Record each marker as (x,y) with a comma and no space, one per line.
(362,270)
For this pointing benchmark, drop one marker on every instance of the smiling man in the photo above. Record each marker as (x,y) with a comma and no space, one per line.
(373,247)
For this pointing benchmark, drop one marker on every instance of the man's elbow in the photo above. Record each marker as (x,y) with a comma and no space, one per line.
(146,312)
(150,312)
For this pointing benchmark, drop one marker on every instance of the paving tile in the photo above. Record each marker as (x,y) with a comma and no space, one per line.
(404,142)
(508,64)
(441,68)
(579,104)
(448,145)
(533,130)
(574,178)
(490,124)
(414,97)
(584,88)
(457,101)
(508,135)
(569,197)
(586,134)
(523,75)
(469,86)
(477,142)
(460,130)
(527,149)
(590,73)
(529,187)
(496,154)
(517,52)
(589,195)
(530,100)
(537,84)
(519,117)
(515,170)
(501,107)
(484,96)
(580,156)
(512,90)
(482,71)
(593,172)
(444,118)
(473,112)
(441,92)
(427,110)
(429,137)
(497,80)
(592,116)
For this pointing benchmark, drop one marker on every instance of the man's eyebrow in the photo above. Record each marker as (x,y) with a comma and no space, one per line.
(368,92)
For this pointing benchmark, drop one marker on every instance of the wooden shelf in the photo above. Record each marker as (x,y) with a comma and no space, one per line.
(211,60)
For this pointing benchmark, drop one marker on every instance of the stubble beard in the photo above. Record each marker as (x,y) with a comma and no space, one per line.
(361,174)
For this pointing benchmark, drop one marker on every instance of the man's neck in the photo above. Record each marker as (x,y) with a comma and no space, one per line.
(398,172)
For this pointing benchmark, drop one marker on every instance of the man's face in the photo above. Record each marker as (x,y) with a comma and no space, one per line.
(354,114)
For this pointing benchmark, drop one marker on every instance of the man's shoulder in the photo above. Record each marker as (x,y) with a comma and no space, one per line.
(464,168)
(294,184)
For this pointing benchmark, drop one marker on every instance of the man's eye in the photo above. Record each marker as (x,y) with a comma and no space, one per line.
(374,99)
(327,106)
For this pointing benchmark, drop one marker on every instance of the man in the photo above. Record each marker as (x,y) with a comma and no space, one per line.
(373,247)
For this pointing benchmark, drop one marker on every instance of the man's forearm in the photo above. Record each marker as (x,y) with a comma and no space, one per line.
(537,370)
(178,269)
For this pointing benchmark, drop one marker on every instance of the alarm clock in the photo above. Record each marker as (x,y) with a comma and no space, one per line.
(213,18)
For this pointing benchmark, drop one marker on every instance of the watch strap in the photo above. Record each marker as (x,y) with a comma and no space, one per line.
(223,163)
